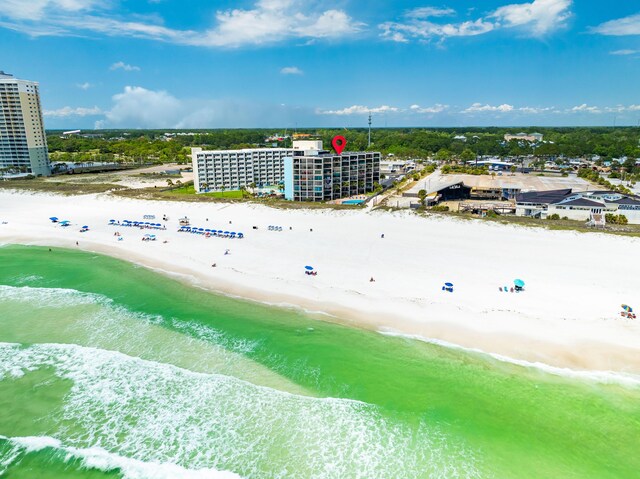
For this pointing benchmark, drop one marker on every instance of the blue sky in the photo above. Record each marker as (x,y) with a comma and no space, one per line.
(302,63)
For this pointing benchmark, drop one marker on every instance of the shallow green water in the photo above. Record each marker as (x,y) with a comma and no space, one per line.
(110,370)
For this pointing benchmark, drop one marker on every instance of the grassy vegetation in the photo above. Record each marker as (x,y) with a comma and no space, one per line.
(187,193)
(189,189)
(566,225)
(59,187)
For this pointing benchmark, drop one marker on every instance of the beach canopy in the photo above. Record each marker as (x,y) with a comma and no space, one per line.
(449,285)
(627,308)
(519,283)
(309,268)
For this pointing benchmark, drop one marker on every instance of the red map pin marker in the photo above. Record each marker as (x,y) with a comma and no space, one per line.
(338,143)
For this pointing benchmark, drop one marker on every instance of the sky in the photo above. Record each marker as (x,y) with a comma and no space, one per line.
(289,64)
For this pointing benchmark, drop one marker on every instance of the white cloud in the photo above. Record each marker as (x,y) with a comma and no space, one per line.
(426,12)
(68,111)
(437,108)
(38,9)
(84,86)
(479,107)
(359,110)
(124,66)
(621,27)
(584,108)
(624,52)
(138,107)
(536,18)
(268,21)
(291,71)
(425,30)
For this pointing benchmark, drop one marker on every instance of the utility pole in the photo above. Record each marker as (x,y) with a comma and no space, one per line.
(369,145)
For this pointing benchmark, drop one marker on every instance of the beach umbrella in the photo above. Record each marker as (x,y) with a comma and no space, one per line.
(519,283)
(309,268)
(449,285)
(233,233)
(226,232)
(53,218)
(627,308)
(200,229)
(240,235)
(112,221)
(85,227)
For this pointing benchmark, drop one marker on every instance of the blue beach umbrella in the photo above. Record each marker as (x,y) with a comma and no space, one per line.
(54,218)
(240,235)
(449,285)
(85,227)
(519,283)
(627,308)
(309,268)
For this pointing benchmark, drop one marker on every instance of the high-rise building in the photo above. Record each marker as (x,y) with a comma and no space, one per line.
(218,170)
(317,175)
(308,172)
(23,142)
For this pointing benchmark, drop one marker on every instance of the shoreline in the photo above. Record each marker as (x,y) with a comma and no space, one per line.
(519,333)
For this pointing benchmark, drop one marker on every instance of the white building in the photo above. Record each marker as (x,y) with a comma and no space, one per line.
(23,142)
(531,137)
(217,170)
(579,206)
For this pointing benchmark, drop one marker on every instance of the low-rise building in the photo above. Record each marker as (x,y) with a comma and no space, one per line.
(530,137)
(581,206)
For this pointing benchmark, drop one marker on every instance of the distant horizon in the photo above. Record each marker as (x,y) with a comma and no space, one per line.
(364,128)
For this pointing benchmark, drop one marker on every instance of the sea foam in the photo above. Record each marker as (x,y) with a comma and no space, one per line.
(160,414)
(98,458)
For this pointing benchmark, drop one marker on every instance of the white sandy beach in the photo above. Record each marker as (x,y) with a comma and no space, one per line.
(567,317)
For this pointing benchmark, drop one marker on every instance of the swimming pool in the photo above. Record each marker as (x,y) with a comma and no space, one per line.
(353,202)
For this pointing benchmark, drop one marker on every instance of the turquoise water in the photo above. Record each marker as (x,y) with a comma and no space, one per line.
(110,370)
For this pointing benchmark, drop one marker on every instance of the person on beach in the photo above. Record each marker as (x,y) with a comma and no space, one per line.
(372,280)
(213,265)
(226,252)
(77,244)
(382,236)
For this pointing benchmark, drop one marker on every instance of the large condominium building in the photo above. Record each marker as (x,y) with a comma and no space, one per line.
(23,143)
(324,176)
(217,170)
(308,172)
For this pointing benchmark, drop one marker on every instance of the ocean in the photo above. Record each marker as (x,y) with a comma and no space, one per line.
(108,369)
